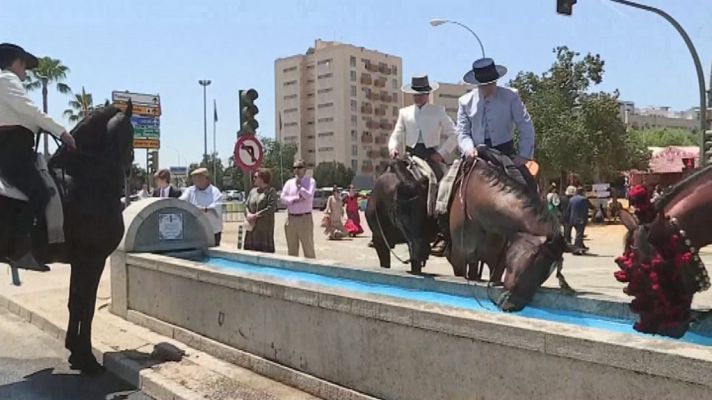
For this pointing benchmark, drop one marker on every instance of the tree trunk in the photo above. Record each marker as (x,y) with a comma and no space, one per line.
(44,108)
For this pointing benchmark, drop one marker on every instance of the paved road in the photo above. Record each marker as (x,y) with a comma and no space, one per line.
(33,367)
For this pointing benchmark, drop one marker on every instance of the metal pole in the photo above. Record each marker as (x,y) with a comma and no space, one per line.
(437,22)
(204,84)
(45,108)
(698,67)
(214,148)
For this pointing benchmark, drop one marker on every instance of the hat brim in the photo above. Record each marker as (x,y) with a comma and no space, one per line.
(469,77)
(31,62)
(409,89)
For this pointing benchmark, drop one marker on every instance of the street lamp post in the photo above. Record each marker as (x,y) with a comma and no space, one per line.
(438,22)
(204,84)
(698,67)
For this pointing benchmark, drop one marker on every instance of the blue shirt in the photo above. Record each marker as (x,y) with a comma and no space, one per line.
(494,118)
(578,209)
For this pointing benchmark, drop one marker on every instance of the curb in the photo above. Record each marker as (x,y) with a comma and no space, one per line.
(144,379)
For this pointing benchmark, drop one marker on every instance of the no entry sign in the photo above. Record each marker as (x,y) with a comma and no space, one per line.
(249,153)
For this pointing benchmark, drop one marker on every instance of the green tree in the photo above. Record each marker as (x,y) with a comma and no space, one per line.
(48,71)
(216,174)
(332,173)
(665,137)
(233,177)
(79,107)
(577,131)
(279,158)
(137,178)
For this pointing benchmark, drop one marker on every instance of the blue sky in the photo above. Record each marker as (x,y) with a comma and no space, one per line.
(166,46)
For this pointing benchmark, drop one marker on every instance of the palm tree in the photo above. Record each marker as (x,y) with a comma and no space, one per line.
(80,106)
(49,70)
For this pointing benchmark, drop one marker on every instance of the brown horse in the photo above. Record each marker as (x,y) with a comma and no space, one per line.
(499,221)
(661,263)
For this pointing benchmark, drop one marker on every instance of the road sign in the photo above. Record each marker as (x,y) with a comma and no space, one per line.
(153,122)
(152,100)
(179,172)
(147,144)
(139,110)
(144,132)
(249,152)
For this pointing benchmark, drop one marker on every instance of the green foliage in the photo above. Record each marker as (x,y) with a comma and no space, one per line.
(279,158)
(53,71)
(137,177)
(576,130)
(332,173)
(79,107)
(665,137)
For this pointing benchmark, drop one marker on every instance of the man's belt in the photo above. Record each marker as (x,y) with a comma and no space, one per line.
(299,215)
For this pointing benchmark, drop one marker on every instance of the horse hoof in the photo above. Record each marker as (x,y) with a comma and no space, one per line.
(87,365)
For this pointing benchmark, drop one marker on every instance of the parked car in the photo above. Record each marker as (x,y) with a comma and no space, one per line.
(320,198)
(234,195)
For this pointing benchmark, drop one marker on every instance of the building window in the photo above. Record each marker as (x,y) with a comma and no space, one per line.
(395,97)
(310,66)
(395,83)
(353,91)
(354,135)
(321,149)
(354,150)
(322,91)
(288,124)
(354,120)
(290,96)
(310,81)
(322,62)
(323,120)
(353,76)
(310,94)
(354,165)
(290,83)
(395,111)
(326,134)
(290,69)
(325,105)
(352,61)
(366,163)
(354,105)
(310,137)
(395,70)
(310,109)
(310,123)
(310,151)
(290,110)
(324,76)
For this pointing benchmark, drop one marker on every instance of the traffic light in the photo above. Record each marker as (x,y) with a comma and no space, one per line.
(152,162)
(688,164)
(248,111)
(706,156)
(564,7)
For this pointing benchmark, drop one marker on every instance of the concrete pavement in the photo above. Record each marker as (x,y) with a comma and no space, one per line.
(127,350)
(33,367)
(591,274)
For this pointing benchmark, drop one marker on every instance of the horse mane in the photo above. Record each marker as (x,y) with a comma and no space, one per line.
(681,186)
(96,121)
(497,179)
(408,183)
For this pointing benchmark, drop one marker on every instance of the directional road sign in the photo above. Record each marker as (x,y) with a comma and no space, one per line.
(147,144)
(145,121)
(151,100)
(179,172)
(249,152)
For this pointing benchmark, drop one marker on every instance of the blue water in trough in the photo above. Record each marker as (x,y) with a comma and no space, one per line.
(443,299)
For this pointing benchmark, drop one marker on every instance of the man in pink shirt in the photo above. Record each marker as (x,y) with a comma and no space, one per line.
(298,195)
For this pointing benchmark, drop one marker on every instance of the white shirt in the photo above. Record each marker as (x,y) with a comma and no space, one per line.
(206,199)
(16,108)
(425,125)
(165,191)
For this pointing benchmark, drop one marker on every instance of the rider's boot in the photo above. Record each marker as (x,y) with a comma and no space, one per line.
(23,257)
(440,246)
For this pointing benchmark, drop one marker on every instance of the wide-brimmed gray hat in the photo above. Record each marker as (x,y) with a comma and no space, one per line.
(9,50)
(419,84)
(484,71)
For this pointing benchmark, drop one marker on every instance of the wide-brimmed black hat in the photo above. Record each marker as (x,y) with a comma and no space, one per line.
(419,84)
(12,51)
(484,71)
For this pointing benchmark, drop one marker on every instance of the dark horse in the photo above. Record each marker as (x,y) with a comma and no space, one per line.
(499,221)
(397,213)
(661,264)
(92,181)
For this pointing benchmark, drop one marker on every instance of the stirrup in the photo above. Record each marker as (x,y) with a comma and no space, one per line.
(29,262)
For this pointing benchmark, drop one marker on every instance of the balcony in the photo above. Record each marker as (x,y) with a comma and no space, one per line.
(372,96)
(366,110)
(373,125)
(371,67)
(366,79)
(381,112)
(385,97)
(367,139)
(384,69)
(381,139)
(386,126)
(380,82)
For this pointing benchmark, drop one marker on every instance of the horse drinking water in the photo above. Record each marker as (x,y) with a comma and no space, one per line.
(92,181)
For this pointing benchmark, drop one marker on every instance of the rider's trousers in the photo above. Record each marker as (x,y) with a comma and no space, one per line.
(17,165)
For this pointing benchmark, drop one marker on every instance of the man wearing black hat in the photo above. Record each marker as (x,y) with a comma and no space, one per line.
(20,119)
(487,115)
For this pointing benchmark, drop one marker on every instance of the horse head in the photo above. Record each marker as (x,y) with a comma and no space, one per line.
(530,261)
(410,206)
(104,140)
